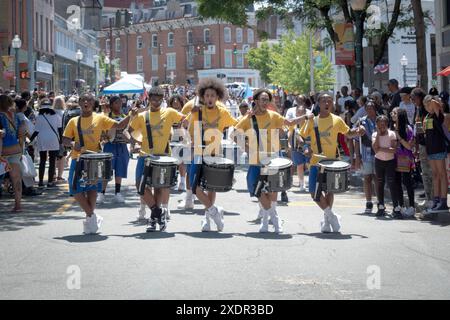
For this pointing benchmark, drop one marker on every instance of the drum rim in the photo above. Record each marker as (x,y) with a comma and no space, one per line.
(347,165)
(229,163)
(96,156)
(287,165)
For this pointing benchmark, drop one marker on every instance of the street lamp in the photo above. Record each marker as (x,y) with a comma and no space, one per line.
(107,62)
(95,57)
(79,57)
(404,63)
(16,44)
(358,6)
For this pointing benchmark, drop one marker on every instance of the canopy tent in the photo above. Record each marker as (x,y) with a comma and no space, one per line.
(129,83)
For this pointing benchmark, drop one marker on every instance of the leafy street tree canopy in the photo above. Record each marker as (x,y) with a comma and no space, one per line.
(317,15)
(287,64)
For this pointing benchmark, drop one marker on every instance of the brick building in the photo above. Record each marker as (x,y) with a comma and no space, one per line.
(167,43)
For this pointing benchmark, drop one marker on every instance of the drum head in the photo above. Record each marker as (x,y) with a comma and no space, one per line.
(96,156)
(279,163)
(217,161)
(334,164)
(163,160)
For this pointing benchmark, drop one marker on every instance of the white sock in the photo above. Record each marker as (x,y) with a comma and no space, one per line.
(165,205)
(327,210)
(188,194)
(211,209)
(274,204)
(143,205)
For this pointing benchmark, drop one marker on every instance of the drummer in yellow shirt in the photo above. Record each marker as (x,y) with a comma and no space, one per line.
(188,202)
(329,126)
(92,125)
(161,122)
(215,119)
(269,123)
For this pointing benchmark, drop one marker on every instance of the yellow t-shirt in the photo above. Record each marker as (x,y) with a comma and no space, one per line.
(269,124)
(329,128)
(92,128)
(214,122)
(161,122)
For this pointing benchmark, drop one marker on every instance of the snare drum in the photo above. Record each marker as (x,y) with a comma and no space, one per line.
(278,173)
(335,175)
(217,174)
(96,167)
(161,171)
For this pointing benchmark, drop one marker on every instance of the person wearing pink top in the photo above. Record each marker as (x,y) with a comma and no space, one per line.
(384,143)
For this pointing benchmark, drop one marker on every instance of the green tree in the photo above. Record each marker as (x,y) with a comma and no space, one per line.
(291,66)
(261,60)
(317,15)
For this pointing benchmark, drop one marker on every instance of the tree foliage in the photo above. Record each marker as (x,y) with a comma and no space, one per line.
(288,64)
(316,14)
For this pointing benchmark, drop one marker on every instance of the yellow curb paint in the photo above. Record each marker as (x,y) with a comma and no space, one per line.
(67,205)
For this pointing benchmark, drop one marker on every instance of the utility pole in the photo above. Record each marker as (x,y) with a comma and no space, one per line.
(30,42)
(311,64)
(111,49)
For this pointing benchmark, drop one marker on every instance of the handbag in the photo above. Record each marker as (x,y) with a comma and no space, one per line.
(27,166)
(403,163)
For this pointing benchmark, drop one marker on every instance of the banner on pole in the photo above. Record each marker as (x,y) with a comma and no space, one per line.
(345,45)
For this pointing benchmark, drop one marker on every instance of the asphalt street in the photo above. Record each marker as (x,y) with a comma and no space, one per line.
(44,255)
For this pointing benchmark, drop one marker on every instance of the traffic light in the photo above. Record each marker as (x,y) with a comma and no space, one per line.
(235,48)
(118,19)
(24,74)
(128,18)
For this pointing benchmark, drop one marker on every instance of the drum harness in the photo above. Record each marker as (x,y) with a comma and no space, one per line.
(148,169)
(320,175)
(263,184)
(199,174)
(79,163)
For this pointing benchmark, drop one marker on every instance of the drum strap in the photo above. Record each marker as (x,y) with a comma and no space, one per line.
(149,134)
(256,128)
(80,132)
(316,131)
(201,126)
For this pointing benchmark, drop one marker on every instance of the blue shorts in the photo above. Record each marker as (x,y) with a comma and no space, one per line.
(120,160)
(79,189)
(299,158)
(253,174)
(313,172)
(140,169)
(438,156)
(194,171)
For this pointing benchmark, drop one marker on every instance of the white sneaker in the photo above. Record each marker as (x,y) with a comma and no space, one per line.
(275,220)
(217,215)
(186,204)
(167,213)
(100,198)
(182,185)
(410,212)
(118,198)
(141,215)
(334,221)
(325,226)
(86,229)
(264,227)
(94,223)
(301,188)
(206,223)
